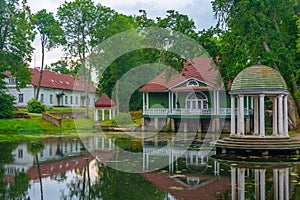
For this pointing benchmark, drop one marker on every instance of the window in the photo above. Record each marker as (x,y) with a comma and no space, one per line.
(42,98)
(12,81)
(21,98)
(51,99)
(76,100)
(66,99)
(20,153)
(197,100)
(71,100)
(192,83)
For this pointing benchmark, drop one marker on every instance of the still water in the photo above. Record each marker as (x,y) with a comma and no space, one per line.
(124,167)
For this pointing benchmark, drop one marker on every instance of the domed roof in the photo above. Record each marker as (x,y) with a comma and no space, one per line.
(258,79)
(104,102)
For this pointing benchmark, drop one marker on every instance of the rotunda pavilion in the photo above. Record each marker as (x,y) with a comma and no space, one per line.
(257,83)
(104,103)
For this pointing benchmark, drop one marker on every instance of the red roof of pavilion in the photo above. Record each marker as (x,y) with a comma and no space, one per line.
(201,69)
(104,102)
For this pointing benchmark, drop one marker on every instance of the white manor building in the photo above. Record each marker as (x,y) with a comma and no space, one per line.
(56,90)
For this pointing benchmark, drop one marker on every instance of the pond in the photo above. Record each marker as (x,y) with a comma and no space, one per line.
(160,166)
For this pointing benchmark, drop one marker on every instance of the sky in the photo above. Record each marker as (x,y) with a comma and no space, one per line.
(198,10)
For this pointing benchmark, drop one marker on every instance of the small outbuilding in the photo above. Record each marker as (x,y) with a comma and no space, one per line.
(104,103)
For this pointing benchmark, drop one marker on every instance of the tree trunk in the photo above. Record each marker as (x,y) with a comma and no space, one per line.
(40,176)
(42,68)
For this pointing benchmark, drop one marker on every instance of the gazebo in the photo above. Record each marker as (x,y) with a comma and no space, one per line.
(257,83)
(104,103)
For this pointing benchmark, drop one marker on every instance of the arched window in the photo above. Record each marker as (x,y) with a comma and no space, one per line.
(192,83)
(197,100)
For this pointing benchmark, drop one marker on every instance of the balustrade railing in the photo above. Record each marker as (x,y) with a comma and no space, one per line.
(184,111)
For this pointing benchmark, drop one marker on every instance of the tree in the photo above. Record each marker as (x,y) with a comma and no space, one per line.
(50,35)
(15,43)
(64,66)
(259,28)
(82,22)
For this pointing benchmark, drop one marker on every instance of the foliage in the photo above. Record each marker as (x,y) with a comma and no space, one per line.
(35,106)
(64,66)
(15,41)
(6,106)
(50,35)
(123,119)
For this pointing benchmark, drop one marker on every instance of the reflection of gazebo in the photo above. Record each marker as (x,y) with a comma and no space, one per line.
(104,103)
(258,82)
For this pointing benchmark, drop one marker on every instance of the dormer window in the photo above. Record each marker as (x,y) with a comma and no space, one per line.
(192,83)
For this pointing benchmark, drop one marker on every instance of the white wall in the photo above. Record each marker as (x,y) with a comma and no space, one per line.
(29,93)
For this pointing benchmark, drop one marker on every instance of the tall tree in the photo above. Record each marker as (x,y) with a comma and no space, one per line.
(50,35)
(15,44)
(259,28)
(81,20)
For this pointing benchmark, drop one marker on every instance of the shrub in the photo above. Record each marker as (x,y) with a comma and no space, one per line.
(123,119)
(136,114)
(6,106)
(35,106)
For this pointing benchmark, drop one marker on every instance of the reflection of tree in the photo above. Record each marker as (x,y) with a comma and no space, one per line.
(34,148)
(17,189)
(110,184)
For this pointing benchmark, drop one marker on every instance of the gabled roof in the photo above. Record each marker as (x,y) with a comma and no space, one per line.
(59,81)
(104,102)
(201,69)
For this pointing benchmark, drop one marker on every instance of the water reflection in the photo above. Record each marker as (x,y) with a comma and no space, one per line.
(63,169)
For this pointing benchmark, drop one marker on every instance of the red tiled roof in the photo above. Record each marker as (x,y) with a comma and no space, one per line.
(59,81)
(104,102)
(199,68)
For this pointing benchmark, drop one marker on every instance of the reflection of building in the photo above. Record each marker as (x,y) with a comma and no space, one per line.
(56,90)
(64,154)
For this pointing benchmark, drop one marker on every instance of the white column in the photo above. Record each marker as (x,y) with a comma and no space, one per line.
(96,115)
(256,125)
(110,114)
(281,184)
(275,183)
(262,183)
(144,102)
(275,117)
(176,100)
(262,115)
(172,101)
(285,116)
(256,179)
(232,115)
(215,102)
(218,102)
(147,100)
(241,183)
(169,101)
(102,114)
(233,182)
(242,115)
(238,131)
(280,115)
(286,182)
